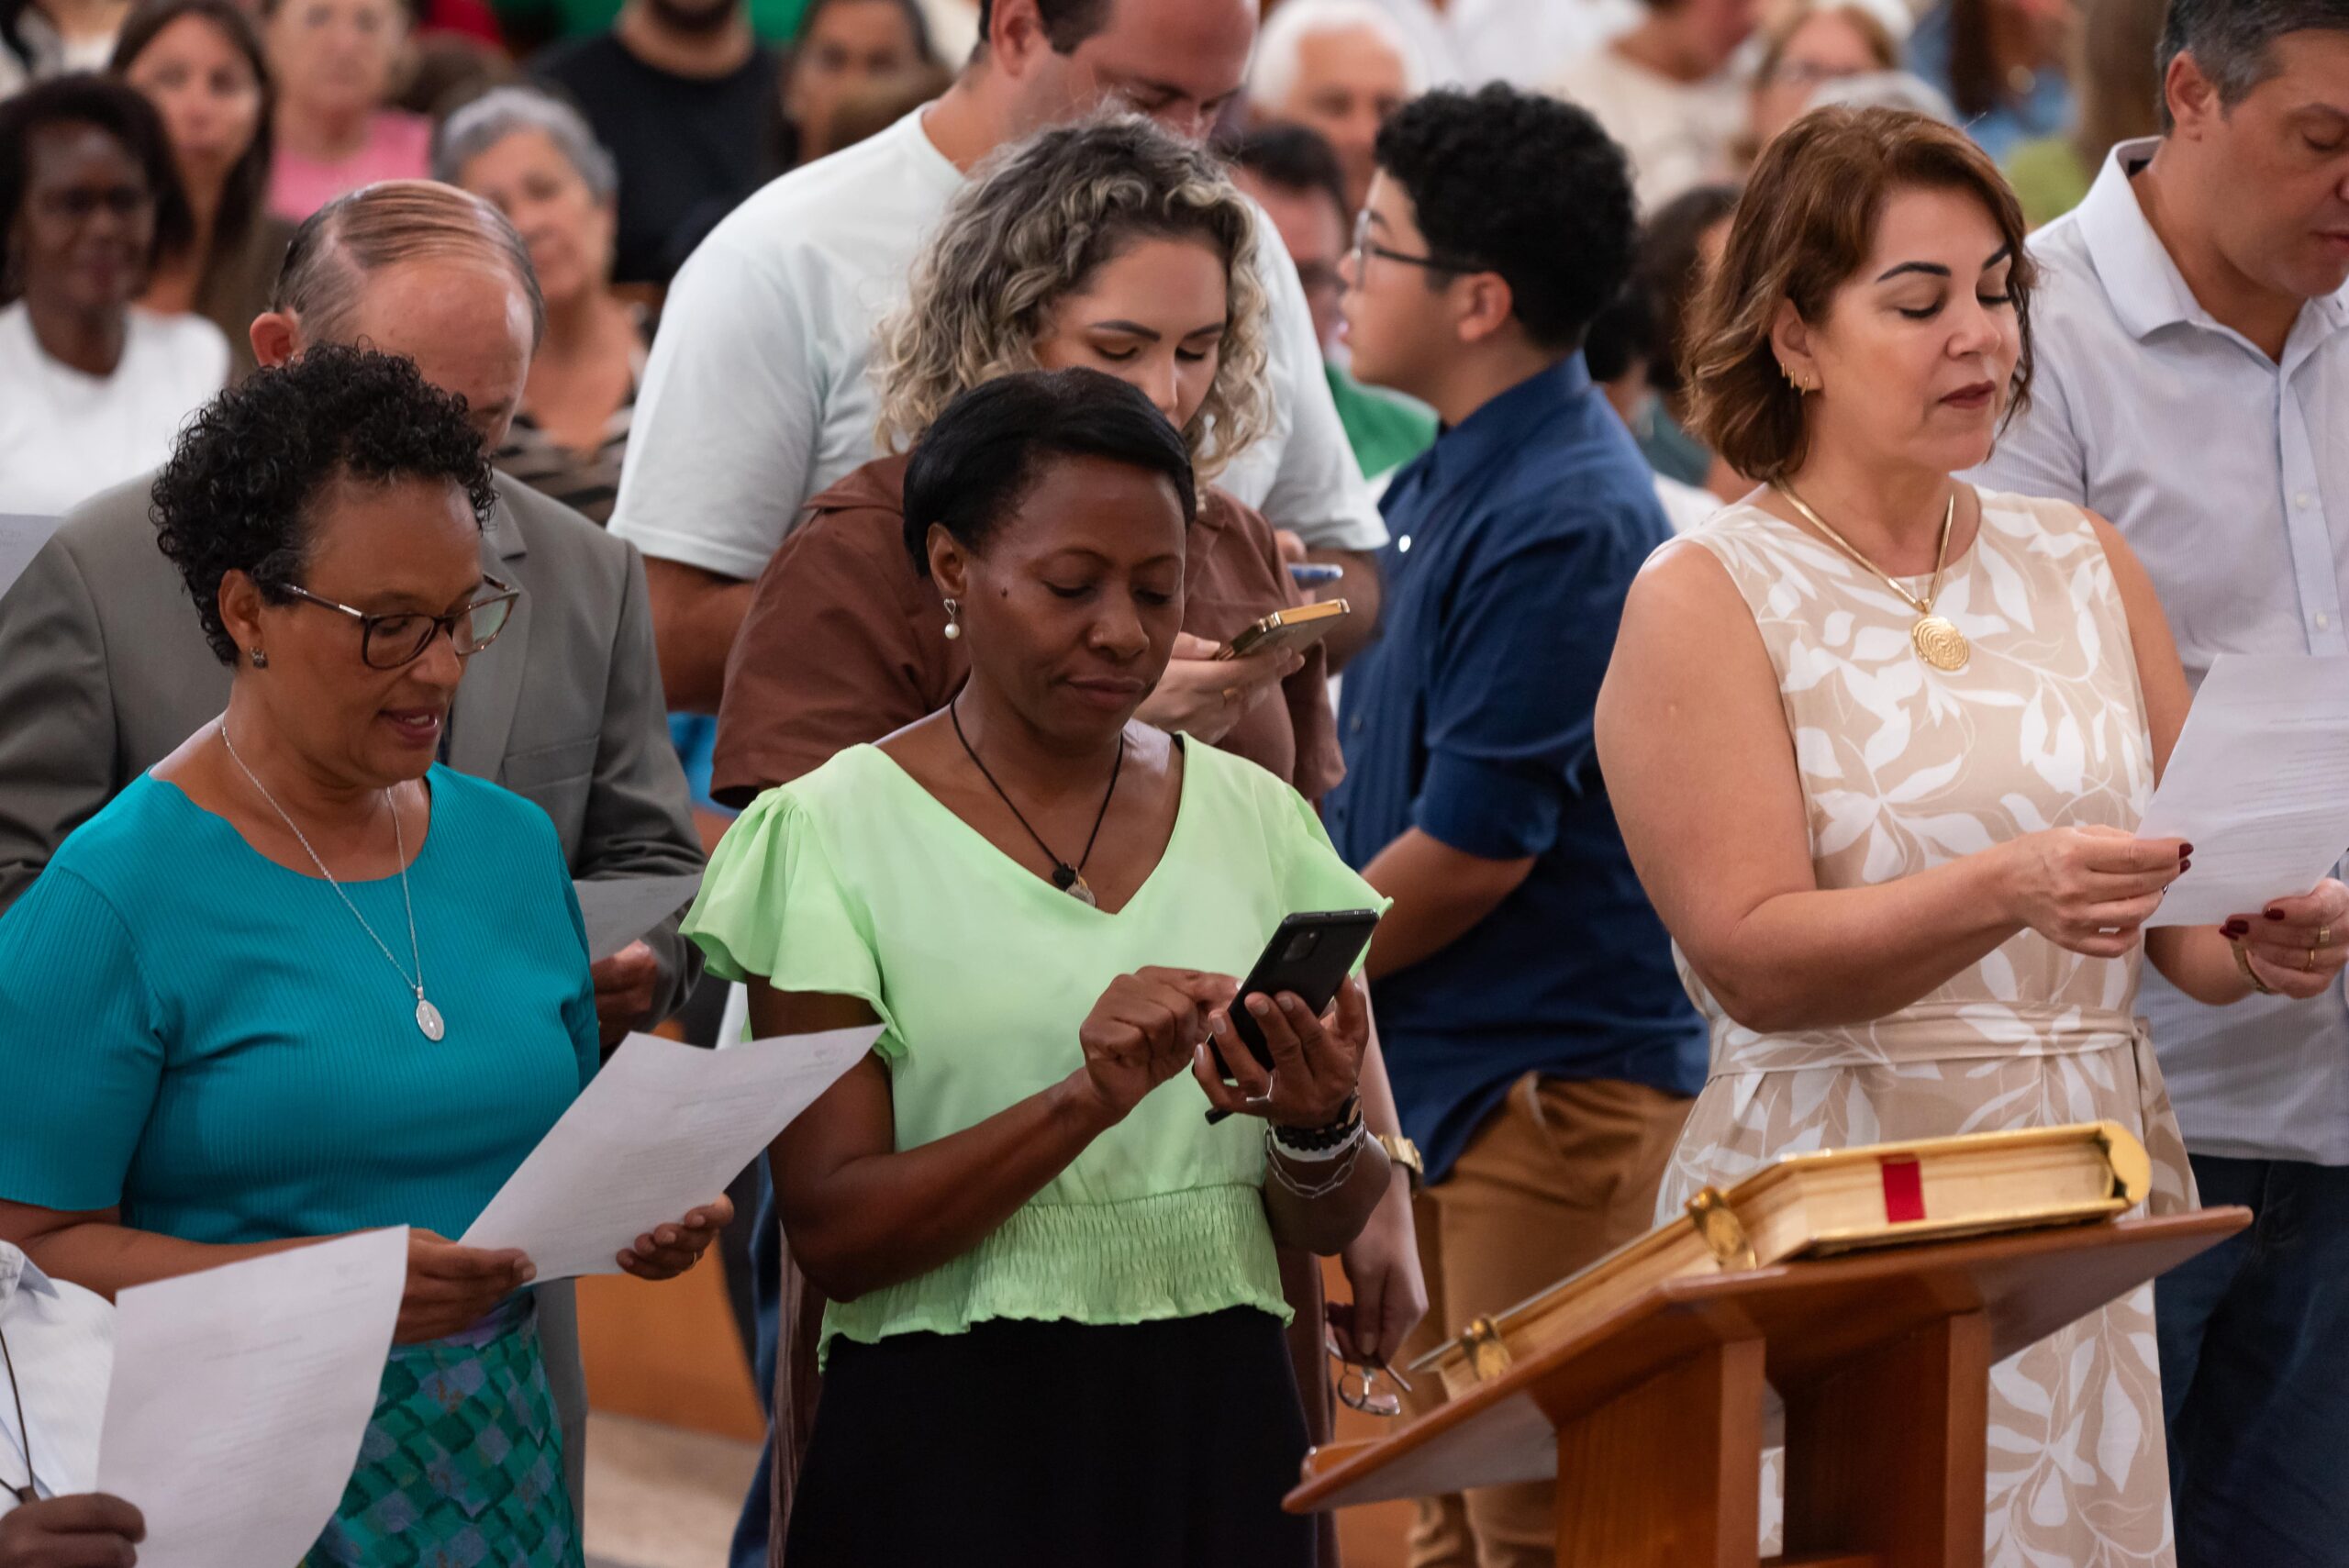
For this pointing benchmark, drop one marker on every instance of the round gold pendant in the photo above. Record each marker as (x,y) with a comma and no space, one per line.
(1940,644)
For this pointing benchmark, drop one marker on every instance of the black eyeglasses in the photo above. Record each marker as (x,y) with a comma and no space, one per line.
(1364,249)
(389,642)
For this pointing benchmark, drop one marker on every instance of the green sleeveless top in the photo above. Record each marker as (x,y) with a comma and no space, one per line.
(856,880)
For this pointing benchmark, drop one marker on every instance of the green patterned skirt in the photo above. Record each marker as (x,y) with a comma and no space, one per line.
(462,1462)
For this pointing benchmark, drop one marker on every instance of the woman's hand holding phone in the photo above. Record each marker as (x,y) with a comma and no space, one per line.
(1317,1062)
(1203,696)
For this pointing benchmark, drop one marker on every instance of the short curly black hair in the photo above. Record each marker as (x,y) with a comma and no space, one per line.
(237,494)
(1523,185)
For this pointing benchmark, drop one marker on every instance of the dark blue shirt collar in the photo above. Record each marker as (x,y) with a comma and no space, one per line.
(1502,424)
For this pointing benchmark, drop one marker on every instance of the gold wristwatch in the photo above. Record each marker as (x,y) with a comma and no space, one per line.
(1404,1154)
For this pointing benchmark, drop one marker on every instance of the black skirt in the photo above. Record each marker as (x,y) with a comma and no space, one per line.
(1154,1445)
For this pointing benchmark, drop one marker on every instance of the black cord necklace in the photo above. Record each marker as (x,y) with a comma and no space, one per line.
(26,1494)
(1069,879)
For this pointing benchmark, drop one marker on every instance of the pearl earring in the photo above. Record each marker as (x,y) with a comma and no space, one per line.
(953,620)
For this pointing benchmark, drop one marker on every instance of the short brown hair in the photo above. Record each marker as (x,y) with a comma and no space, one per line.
(1802,228)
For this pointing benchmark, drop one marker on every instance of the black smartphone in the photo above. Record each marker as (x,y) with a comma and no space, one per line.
(1311,955)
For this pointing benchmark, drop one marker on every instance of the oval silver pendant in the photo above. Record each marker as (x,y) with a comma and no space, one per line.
(428,1018)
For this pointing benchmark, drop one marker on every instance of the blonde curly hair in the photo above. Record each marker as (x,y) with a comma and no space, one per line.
(1041,218)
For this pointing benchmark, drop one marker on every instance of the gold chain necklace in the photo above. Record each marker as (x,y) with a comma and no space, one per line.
(1937,639)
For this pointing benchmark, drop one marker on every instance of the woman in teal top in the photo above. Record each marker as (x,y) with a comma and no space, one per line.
(299,980)
(1035,1243)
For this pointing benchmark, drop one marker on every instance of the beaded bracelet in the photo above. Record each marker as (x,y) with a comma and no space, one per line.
(1320,1142)
(1275,1143)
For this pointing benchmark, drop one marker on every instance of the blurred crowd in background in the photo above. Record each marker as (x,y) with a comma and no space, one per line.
(617,137)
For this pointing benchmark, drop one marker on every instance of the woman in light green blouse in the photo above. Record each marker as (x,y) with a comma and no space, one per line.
(1056,1325)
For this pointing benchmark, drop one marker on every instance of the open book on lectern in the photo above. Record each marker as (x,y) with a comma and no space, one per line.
(1822,1203)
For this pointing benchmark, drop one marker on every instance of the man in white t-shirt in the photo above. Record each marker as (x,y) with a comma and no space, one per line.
(757,397)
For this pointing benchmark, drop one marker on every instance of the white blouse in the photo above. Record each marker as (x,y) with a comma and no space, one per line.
(65,436)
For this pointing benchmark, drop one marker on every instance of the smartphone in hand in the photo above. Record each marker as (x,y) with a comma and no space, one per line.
(1311,956)
(1296,629)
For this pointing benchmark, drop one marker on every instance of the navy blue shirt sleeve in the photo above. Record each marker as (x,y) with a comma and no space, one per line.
(1512,689)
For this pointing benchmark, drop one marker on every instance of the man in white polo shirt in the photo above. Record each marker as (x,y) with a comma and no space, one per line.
(757,397)
(56,1353)
(2193,386)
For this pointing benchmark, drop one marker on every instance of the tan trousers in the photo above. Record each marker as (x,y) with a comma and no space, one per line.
(1563,1172)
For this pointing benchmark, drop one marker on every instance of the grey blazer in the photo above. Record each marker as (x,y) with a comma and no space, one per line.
(104,671)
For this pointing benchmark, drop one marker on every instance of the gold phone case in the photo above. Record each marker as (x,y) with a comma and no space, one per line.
(1301,626)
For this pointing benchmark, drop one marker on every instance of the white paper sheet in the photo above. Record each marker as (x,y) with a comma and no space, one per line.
(622,910)
(240,1397)
(20,539)
(2258,785)
(662,1130)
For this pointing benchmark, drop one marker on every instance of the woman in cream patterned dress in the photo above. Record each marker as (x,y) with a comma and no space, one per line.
(1889,819)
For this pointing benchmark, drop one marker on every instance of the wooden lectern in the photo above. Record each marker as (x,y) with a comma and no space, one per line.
(1652,1417)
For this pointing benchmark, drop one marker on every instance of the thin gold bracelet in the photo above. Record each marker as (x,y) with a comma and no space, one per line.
(2242,961)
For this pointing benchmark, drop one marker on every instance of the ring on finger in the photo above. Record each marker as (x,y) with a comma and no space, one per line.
(2311,964)
(2325,936)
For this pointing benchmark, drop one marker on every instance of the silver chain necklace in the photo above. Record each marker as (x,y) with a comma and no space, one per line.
(427,1016)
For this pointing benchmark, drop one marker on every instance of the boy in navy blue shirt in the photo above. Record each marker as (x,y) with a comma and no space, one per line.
(1540,1043)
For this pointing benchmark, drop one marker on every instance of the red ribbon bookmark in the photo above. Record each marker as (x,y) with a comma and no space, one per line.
(1904,1191)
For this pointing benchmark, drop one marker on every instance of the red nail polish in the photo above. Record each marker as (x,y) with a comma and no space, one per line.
(2184,867)
(2274,913)
(2183,851)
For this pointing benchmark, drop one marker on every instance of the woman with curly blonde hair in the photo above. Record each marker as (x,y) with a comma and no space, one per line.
(1039,231)
(1114,247)
(1110,246)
